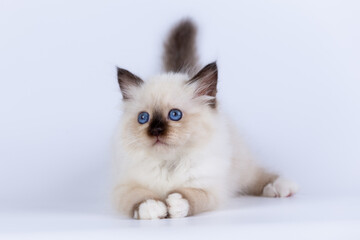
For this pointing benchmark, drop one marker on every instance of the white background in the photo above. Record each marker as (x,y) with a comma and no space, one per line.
(289,76)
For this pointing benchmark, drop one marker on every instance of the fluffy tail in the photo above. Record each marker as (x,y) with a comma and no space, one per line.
(180,49)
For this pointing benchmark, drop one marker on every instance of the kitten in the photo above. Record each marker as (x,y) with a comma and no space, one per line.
(176,154)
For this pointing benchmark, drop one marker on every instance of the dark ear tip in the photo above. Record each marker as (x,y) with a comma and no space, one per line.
(120,71)
(212,66)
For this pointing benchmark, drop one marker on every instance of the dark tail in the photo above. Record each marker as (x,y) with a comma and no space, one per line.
(180,49)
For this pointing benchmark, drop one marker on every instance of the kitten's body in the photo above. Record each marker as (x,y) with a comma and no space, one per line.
(180,168)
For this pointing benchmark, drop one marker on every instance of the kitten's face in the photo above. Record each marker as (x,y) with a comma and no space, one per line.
(165,114)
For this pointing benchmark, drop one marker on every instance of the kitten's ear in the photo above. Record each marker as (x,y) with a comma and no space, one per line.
(127,80)
(206,80)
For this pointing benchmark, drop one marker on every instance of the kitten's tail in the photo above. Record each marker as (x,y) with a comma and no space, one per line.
(180,49)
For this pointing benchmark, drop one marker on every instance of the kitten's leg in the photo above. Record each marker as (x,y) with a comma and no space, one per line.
(190,201)
(139,202)
(268,184)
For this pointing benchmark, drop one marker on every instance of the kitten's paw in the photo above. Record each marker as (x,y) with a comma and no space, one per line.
(150,209)
(178,206)
(280,188)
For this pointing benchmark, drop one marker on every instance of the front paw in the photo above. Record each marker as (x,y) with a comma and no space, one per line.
(150,209)
(178,206)
(280,188)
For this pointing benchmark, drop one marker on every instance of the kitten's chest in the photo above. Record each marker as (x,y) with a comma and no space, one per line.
(165,175)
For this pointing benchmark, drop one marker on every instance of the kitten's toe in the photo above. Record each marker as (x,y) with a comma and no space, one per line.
(280,188)
(178,206)
(150,209)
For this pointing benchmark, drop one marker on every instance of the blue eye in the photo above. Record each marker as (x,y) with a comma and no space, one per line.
(143,117)
(175,114)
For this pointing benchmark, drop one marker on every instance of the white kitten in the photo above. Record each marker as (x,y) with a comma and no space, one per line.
(176,154)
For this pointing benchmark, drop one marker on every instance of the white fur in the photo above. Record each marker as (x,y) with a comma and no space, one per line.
(178,206)
(151,209)
(280,188)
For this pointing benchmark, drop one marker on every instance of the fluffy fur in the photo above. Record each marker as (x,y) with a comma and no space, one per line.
(191,165)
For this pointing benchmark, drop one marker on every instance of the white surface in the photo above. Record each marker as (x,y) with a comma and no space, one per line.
(250,218)
(289,75)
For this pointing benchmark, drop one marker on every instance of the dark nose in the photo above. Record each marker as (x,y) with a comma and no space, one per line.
(156,131)
(157,125)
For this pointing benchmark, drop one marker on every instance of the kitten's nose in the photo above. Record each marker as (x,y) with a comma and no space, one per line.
(157,125)
(156,131)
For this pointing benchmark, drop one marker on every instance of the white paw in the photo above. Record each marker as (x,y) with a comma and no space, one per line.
(151,209)
(178,206)
(280,188)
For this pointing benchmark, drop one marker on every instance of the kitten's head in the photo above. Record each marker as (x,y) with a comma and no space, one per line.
(169,112)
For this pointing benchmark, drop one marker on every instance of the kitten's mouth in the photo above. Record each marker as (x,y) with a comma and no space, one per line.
(158,141)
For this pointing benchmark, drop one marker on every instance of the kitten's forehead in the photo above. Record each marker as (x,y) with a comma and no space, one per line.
(164,91)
